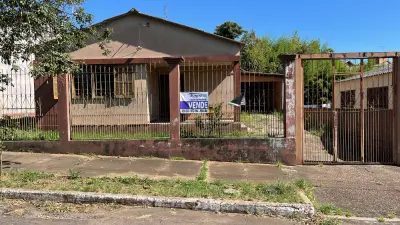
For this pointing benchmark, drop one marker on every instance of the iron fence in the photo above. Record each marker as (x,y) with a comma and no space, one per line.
(255,112)
(120,102)
(26,114)
(348,110)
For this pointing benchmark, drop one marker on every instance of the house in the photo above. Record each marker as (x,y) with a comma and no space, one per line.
(17,98)
(377,104)
(377,86)
(130,86)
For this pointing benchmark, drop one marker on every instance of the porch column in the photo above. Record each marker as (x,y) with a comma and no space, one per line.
(293,106)
(237,90)
(63,109)
(174,96)
(396,110)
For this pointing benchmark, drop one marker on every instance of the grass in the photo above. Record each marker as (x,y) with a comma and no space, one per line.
(73,175)
(329,209)
(381,219)
(34,135)
(278,164)
(269,192)
(391,215)
(330,221)
(177,158)
(203,171)
(307,187)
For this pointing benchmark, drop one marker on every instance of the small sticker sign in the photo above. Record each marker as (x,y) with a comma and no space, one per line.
(194,102)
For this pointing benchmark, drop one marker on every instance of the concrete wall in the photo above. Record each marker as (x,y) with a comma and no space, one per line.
(251,150)
(158,39)
(383,80)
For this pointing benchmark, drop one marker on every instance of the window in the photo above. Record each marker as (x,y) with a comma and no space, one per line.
(347,99)
(104,81)
(82,86)
(124,81)
(377,98)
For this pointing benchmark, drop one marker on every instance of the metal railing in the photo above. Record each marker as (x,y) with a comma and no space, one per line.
(120,102)
(255,112)
(26,114)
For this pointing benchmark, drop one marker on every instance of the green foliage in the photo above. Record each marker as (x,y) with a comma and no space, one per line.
(229,30)
(210,127)
(391,215)
(278,164)
(48,30)
(329,209)
(268,192)
(203,172)
(330,221)
(303,184)
(73,174)
(381,219)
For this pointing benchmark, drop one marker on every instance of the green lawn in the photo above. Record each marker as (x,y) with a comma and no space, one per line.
(279,191)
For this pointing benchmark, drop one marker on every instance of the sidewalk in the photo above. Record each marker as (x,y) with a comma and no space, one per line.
(370,191)
(154,168)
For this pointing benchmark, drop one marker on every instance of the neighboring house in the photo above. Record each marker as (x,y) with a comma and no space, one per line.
(17,98)
(377,89)
(110,93)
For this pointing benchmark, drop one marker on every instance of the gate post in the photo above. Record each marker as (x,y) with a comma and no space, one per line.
(294,123)
(396,110)
(174,96)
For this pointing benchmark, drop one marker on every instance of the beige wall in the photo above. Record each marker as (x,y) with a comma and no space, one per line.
(218,82)
(159,39)
(369,82)
(118,111)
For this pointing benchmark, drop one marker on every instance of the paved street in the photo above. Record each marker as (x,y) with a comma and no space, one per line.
(20,213)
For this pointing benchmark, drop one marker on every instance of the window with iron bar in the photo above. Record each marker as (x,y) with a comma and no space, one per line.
(104,81)
(347,99)
(377,98)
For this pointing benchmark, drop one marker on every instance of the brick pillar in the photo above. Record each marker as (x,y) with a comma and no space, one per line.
(63,109)
(174,96)
(294,105)
(237,90)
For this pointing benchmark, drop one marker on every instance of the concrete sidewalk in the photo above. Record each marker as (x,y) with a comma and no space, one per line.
(154,168)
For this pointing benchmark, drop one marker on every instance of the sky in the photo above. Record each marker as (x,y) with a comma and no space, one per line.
(345,25)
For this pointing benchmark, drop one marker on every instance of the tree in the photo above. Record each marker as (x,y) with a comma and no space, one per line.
(229,30)
(48,30)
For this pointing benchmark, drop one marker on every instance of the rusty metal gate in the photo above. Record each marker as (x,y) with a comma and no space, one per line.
(348,110)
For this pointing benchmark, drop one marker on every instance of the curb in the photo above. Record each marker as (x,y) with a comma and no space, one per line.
(201,204)
(364,219)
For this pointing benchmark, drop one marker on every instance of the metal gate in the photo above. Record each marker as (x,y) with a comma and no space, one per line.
(348,110)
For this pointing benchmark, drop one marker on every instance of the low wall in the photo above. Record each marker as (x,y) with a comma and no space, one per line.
(252,150)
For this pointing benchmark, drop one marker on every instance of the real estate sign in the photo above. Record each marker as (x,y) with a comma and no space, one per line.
(194,102)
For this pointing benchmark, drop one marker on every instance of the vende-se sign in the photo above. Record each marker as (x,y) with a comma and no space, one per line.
(194,102)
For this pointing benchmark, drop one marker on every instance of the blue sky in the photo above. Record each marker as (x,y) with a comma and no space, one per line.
(346,25)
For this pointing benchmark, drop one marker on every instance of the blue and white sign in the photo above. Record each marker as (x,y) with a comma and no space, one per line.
(194,102)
